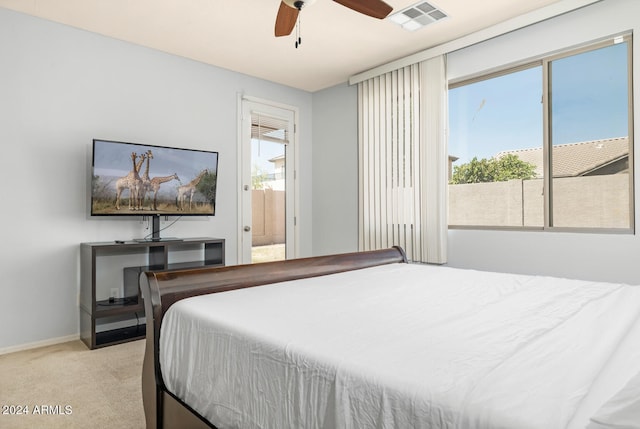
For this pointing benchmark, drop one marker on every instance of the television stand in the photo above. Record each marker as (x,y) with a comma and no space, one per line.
(111,307)
(156,240)
(155,232)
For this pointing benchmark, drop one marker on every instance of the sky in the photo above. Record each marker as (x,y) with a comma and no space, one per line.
(262,151)
(589,102)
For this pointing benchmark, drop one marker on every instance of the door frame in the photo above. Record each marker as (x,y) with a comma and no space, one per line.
(246,106)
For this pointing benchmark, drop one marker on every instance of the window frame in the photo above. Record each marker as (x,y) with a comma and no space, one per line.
(545,62)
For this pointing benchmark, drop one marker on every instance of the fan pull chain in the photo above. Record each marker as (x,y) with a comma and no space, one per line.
(298,32)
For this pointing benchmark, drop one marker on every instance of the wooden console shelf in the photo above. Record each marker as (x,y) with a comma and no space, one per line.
(110,268)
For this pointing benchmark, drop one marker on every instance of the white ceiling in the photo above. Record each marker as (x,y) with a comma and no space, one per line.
(238,34)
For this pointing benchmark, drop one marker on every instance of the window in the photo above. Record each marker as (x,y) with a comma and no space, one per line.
(493,119)
(545,145)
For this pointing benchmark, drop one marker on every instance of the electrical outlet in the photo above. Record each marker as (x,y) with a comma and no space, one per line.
(114,293)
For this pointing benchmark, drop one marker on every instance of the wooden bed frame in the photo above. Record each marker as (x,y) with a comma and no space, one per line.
(163,288)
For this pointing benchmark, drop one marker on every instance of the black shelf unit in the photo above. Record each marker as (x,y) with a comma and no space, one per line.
(103,265)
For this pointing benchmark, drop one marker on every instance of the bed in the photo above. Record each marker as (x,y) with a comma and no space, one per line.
(367,340)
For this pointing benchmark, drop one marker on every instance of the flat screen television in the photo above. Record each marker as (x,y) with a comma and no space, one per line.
(132,179)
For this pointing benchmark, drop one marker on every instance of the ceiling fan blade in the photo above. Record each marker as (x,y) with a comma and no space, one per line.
(285,20)
(375,8)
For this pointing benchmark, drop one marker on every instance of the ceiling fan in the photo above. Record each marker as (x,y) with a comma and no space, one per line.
(289,10)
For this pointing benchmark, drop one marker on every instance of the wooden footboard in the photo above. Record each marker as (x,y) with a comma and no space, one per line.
(161,289)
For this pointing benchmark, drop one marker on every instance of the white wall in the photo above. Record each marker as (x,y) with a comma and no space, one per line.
(335,170)
(590,256)
(61,87)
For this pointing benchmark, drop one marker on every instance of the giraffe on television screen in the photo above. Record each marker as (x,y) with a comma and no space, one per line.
(146,181)
(189,190)
(155,187)
(132,182)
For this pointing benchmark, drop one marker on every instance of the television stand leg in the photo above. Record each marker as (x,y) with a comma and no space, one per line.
(155,228)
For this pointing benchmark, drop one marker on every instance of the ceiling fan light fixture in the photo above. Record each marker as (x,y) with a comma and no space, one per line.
(298,4)
(288,16)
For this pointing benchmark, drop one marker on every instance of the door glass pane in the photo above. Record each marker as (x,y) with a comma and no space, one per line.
(590,139)
(268,155)
(496,173)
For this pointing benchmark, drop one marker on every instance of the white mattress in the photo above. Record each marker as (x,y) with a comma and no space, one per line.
(404,346)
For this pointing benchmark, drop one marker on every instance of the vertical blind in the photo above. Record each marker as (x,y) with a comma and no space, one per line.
(397,145)
(434,164)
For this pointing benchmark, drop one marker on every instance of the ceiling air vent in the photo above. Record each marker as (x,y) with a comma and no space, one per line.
(417,16)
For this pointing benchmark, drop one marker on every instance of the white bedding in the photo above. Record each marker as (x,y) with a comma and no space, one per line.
(404,346)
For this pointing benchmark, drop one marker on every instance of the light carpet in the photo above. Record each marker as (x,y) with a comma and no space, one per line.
(69,386)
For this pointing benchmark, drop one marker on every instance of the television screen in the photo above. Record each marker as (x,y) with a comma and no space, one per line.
(137,179)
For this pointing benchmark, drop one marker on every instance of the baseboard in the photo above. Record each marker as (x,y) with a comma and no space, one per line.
(37,344)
